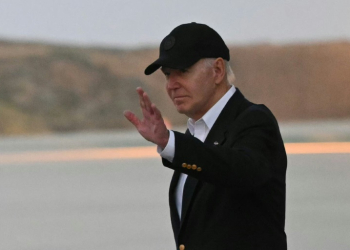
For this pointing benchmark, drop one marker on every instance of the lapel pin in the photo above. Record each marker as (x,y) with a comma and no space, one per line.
(216,143)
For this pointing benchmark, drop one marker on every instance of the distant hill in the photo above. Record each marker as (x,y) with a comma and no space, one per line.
(50,88)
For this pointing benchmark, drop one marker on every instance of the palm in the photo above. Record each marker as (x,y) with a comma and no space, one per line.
(152,126)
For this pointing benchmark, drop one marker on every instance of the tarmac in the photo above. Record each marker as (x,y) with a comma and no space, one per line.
(123,203)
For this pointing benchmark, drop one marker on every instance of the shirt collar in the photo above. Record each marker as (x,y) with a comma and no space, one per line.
(213,113)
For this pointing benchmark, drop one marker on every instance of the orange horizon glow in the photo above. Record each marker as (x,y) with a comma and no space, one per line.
(150,152)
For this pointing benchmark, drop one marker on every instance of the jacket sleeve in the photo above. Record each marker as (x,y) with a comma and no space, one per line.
(252,153)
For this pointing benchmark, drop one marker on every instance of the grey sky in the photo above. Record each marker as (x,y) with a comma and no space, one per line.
(134,23)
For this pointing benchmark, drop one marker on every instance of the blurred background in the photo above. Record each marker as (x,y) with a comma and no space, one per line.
(73,172)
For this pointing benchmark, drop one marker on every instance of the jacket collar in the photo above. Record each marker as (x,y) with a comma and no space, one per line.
(234,107)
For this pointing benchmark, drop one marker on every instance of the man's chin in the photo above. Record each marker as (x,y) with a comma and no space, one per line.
(181,110)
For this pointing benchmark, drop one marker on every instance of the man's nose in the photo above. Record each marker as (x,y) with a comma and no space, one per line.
(173,82)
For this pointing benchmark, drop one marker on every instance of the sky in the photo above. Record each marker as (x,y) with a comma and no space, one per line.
(144,23)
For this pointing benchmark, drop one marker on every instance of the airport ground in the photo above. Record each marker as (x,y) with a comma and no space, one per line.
(108,190)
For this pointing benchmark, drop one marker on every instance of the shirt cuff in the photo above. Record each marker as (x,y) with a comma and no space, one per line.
(169,150)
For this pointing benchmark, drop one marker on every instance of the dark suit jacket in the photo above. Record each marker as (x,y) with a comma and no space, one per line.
(237,200)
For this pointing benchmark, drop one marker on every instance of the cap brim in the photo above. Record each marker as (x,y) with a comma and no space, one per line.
(153,67)
(174,64)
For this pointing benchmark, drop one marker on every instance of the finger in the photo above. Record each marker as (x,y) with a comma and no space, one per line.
(132,118)
(140,93)
(144,106)
(145,103)
(148,103)
(156,111)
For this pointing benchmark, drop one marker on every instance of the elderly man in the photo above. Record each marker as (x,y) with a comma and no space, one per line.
(228,188)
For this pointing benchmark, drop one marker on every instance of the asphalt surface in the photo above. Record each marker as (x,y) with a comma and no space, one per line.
(123,203)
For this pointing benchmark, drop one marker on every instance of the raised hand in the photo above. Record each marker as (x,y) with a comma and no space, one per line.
(152,126)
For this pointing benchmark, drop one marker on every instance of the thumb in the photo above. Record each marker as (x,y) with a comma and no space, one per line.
(132,118)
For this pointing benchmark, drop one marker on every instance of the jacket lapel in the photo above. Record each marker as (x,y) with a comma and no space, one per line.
(230,112)
(216,136)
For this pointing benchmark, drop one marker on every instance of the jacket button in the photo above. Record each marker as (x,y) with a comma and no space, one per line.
(194,167)
(199,169)
(189,166)
(184,165)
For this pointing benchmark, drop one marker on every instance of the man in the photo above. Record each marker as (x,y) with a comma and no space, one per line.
(228,187)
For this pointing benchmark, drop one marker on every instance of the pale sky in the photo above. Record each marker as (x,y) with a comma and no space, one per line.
(139,23)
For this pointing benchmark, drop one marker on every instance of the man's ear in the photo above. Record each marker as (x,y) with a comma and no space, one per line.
(219,70)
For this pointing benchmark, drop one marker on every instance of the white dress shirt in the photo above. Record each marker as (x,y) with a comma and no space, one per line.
(199,129)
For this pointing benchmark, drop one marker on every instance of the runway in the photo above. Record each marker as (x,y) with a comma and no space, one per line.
(91,198)
(148,152)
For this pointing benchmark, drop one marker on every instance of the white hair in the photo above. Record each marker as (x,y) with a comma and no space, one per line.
(230,77)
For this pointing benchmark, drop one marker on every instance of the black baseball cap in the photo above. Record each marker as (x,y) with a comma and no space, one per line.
(187,44)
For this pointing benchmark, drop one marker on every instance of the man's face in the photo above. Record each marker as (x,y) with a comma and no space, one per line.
(192,90)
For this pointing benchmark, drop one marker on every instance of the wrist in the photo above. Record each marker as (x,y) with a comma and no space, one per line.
(162,144)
